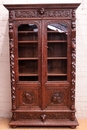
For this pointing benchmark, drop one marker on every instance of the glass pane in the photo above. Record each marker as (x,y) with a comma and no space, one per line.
(57,66)
(28,52)
(57,52)
(57,49)
(28,66)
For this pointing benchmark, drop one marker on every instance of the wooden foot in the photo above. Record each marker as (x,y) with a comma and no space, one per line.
(73,127)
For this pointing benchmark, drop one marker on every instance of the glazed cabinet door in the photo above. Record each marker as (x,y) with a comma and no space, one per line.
(28,61)
(56,64)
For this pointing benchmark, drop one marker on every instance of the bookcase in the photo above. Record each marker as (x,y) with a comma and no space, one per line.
(42,42)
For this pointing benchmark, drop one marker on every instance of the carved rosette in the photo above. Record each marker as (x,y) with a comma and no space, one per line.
(42,12)
(56,97)
(11,42)
(73,63)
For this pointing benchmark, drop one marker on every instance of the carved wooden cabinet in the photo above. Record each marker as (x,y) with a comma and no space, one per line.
(42,63)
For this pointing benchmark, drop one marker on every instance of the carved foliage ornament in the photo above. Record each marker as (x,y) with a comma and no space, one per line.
(42,12)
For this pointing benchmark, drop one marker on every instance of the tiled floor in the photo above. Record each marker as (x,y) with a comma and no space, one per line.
(4,126)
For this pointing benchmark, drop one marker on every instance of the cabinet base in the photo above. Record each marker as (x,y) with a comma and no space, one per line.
(48,122)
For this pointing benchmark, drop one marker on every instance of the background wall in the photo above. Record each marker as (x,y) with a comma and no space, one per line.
(81,53)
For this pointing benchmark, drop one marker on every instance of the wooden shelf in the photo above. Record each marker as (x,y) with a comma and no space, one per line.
(56,58)
(28,58)
(56,32)
(25,32)
(51,41)
(23,74)
(27,41)
(51,74)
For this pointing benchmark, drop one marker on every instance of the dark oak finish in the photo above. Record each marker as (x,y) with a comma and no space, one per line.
(42,63)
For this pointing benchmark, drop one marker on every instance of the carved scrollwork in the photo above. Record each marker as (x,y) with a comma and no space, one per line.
(42,12)
(11,42)
(28,97)
(29,116)
(57,97)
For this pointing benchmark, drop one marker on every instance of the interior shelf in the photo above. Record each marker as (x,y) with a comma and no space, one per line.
(28,58)
(56,58)
(27,41)
(25,32)
(51,41)
(28,74)
(51,74)
(56,32)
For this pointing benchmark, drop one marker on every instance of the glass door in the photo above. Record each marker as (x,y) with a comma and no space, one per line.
(56,52)
(28,52)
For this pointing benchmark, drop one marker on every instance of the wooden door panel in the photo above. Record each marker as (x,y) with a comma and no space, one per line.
(57,98)
(29,98)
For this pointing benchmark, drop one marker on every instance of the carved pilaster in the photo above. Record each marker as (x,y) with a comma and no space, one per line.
(73,25)
(11,42)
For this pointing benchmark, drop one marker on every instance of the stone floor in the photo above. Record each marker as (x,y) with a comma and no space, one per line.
(4,126)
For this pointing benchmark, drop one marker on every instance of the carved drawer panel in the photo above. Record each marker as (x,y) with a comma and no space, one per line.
(44,116)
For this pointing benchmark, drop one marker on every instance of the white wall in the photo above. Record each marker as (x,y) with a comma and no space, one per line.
(81,53)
